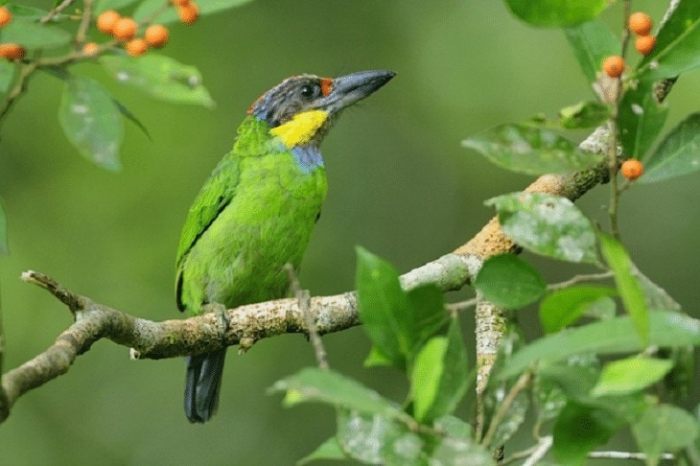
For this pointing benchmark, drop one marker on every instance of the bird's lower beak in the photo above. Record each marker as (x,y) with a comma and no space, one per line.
(353,87)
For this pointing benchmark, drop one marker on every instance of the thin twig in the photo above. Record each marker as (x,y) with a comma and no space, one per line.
(20,86)
(56,11)
(540,452)
(521,384)
(305,306)
(85,21)
(461,305)
(578,279)
(625,455)
(518,455)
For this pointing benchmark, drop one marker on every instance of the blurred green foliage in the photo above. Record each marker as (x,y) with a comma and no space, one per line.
(400,184)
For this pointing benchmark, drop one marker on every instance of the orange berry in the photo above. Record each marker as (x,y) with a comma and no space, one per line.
(180,2)
(156,35)
(5,16)
(107,20)
(188,13)
(645,44)
(613,66)
(90,49)
(12,51)
(136,47)
(125,29)
(632,169)
(640,23)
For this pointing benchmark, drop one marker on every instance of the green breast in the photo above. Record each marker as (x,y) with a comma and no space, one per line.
(239,259)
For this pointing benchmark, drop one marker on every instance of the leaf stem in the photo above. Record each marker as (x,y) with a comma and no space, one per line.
(521,384)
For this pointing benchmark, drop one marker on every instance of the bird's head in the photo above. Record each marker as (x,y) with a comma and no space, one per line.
(300,109)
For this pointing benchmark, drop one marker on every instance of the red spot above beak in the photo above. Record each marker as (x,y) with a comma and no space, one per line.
(326,86)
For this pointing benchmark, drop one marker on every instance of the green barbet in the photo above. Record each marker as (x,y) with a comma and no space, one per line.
(256,211)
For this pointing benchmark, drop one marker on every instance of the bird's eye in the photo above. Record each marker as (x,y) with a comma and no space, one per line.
(308,92)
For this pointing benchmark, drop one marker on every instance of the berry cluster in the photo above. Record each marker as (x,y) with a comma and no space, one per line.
(124,29)
(10,51)
(640,24)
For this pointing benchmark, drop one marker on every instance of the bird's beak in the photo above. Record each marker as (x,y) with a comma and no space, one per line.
(353,87)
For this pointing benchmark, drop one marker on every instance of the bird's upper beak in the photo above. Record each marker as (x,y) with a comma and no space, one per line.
(353,87)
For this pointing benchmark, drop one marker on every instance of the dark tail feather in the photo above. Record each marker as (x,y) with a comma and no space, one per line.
(202,385)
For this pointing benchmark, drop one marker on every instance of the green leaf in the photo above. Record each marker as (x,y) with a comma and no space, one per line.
(328,450)
(509,282)
(513,419)
(376,439)
(531,150)
(656,297)
(313,384)
(583,115)
(462,451)
(678,154)
(562,308)
(439,378)
(91,121)
(676,45)
(148,8)
(556,383)
(7,75)
(628,286)
(641,118)
(398,323)
(160,76)
(27,12)
(556,13)
(383,307)
(33,35)
(664,428)
(592,42)
(618,335)
(579,429)
(427,305)
(630,375)
(104,5)
(4,249)
(545,224)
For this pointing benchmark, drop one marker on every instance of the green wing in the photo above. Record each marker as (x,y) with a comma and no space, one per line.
(215,195)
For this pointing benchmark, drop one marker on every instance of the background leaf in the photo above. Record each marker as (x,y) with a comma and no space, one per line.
(641,120)
(579,429)
(556,13)
(549,225)
(4,249)
(7,75)
(91,121)
(439,378)
(375,439)
(103,5)
(676,45)
(611,336)
(564,307)
(148,7)
(32,35)
(630,290)
(630,375)
(678,154)
(583,115)
(662,429)
(313,384)
(160,76)
(328,450)
(530,150)
(509,282)
(592,42)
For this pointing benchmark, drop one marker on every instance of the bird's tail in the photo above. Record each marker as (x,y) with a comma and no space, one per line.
(202,385)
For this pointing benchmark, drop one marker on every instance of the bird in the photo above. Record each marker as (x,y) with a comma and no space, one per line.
(256,211)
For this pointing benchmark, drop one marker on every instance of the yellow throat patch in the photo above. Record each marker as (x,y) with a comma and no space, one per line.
(301,128)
